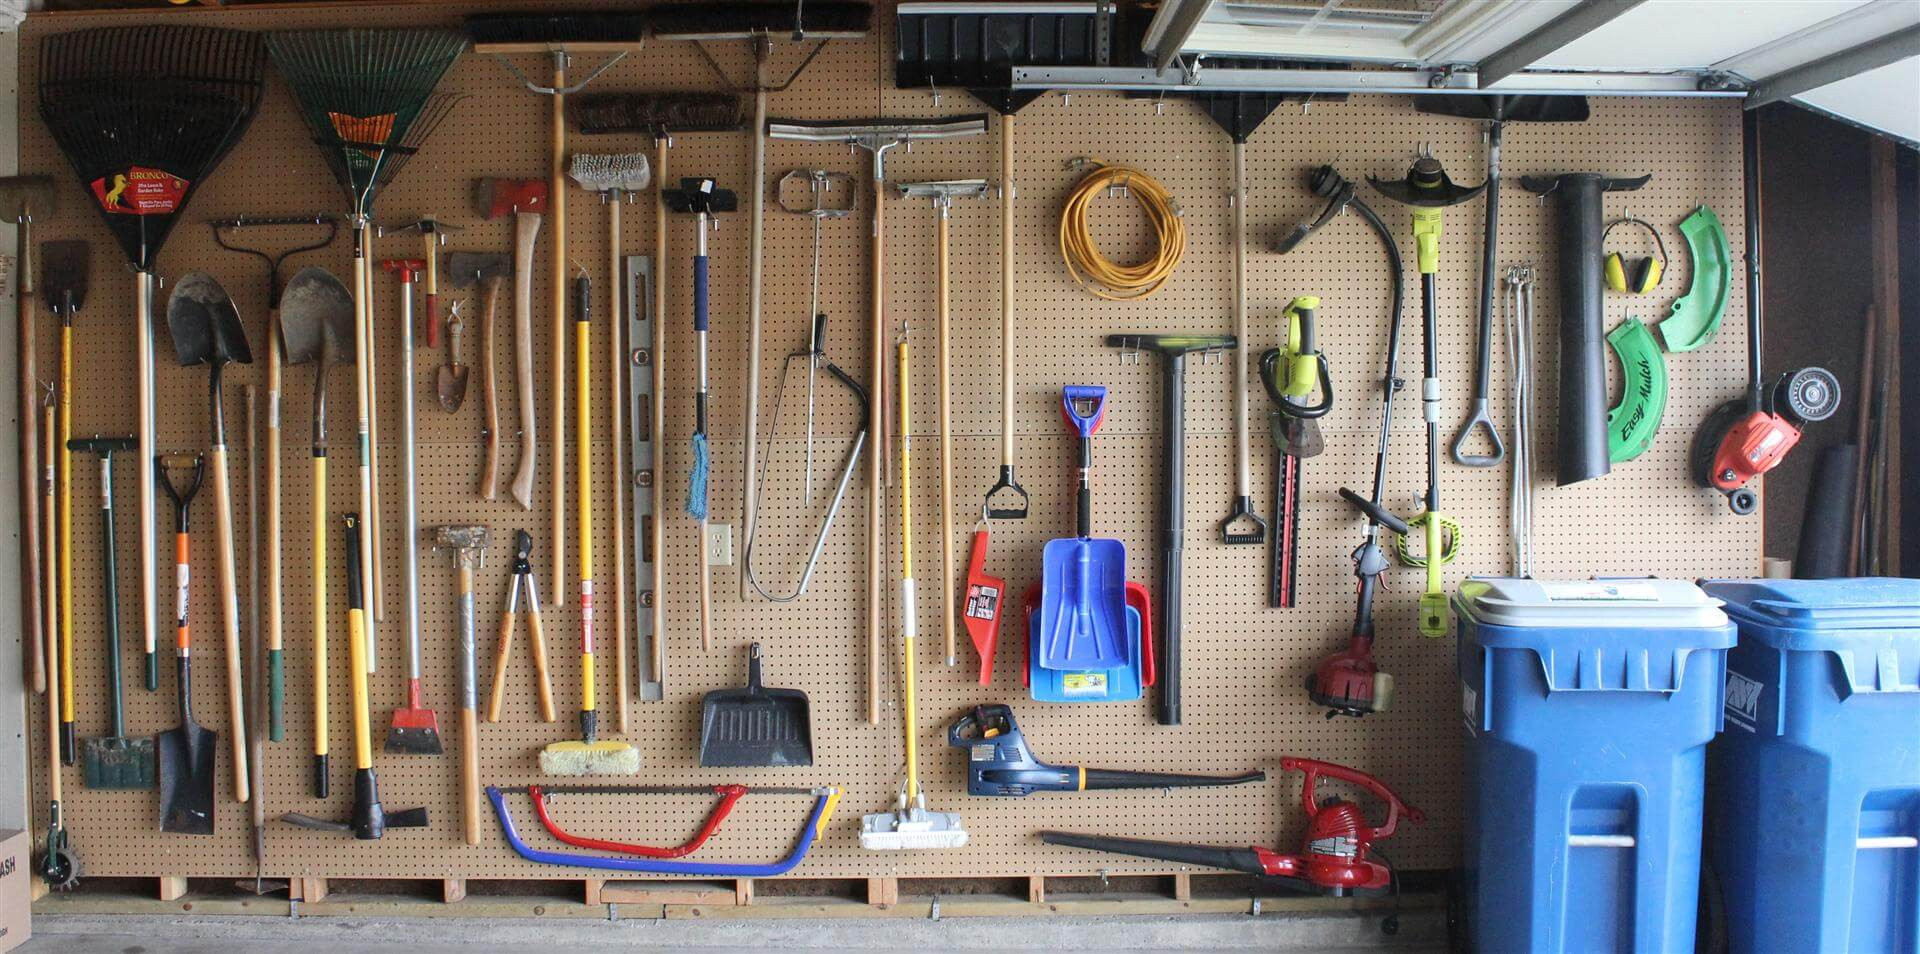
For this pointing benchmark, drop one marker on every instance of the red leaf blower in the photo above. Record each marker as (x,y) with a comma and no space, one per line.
(1336,860)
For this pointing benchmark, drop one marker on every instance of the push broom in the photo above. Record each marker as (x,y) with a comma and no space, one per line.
(909,825)
(144,114)
(367,97)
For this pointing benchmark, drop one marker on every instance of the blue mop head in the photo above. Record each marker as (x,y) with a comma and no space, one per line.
(697,482)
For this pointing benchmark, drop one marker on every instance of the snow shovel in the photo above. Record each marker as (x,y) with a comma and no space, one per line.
(755,725)
(206,330)
(1083,581)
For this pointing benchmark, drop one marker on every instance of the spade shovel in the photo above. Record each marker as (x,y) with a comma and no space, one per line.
(488,270)
(185,754)
(316,325)
(206,330)
(450,381)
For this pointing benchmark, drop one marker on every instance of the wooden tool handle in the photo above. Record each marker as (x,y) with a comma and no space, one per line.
(950,583)
(470,773)
(490,469)
(706,594)
(557,309)
(28,379)
(528,227)
(230,616)
(537,634)
(500,655)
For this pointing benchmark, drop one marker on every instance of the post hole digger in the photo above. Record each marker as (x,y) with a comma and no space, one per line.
(227,233)
(876,137)
(488,271)
(1337,857)
(316,326)
(999,764)
(415,729)
(25,200)
(1429,190)
(116,760)
(370,819)
(64,283)
(526,200)
(207,330)
(1350,682)
(1290,375)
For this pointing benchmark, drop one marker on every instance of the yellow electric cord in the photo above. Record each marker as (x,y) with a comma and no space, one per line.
(1090,268)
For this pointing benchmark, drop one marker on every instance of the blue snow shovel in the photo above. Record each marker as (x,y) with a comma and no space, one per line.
(1083,602)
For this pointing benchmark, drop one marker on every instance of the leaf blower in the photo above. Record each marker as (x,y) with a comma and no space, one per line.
(1337,858)
(1000,764)
(1747,437)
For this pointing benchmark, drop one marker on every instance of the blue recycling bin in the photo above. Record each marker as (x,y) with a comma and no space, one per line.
(1814,788)
(1588,707)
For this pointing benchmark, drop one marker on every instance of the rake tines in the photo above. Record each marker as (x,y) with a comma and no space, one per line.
(367,97)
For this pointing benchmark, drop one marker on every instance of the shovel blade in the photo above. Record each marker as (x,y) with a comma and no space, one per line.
(316,314)
(33,198)
(1083,627)
(64,267)
(114,762)
(451,383)
(205,326)
(185,761)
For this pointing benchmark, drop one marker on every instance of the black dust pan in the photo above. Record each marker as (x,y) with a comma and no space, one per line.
(755,726)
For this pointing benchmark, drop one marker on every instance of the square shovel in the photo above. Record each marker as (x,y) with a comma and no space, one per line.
(755,726)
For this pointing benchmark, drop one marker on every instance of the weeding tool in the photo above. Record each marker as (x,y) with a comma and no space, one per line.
(65,286)
(144,114)
(1429,190)
(876,136)
(207,330)
(23,201)
(415,729)
(1083,623)
(729,795)
(1000,764)
(450,381)
(116,760)
(526,200)
(227,234)
(820,184)
(1349,682)
(521,584)
(184,756)
(702,199)
(488,271)
(910,824)
(1173,506)
(370,819)
(755,726)
(1289,375)
(942,193)
(469,546)
(316,324)
(814,355)
(618,178)
(824,801)
(1336,857)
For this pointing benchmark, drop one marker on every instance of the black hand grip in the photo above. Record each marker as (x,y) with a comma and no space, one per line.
(1374,511)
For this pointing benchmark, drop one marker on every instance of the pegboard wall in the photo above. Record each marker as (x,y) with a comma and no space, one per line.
(1244,664)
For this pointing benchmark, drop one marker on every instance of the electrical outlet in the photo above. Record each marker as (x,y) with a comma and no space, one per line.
(719,544)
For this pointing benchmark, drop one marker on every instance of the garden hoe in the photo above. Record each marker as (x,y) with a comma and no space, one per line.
(117,760)
(23,201)
(316,325)
(489,271)
(910,824)
(227,233)
(184,756)
(370,819)
(415,729)
(525,200)
(64,284)
(450,380)
(206,330)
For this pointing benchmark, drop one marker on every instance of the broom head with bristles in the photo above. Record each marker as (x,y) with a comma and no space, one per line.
(611,173)
(576,757)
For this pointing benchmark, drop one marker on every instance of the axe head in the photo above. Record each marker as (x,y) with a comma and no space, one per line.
(467,269)
(494,198)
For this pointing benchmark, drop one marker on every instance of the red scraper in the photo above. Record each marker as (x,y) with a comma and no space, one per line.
(981,609)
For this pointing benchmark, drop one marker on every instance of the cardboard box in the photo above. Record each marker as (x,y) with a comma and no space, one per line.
(16,888)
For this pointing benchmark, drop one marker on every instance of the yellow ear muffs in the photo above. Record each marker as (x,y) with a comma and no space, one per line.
(1638,275)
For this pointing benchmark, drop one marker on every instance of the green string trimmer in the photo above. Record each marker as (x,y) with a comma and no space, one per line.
(1428,190)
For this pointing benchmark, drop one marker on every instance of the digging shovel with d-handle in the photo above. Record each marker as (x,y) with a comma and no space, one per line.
(206,330)
(488,270)
(112,761)
(316,326)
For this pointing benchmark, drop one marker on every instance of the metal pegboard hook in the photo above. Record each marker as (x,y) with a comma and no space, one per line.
(560,58)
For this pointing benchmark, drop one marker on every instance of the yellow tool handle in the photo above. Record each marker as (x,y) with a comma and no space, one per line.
(65,457)
(320,605)
(586,682)
(357,661)
(583,489)
(909,611)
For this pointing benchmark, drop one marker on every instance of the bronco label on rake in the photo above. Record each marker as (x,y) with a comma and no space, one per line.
(140,191)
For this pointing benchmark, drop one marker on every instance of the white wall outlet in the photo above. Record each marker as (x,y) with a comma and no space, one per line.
(719,544)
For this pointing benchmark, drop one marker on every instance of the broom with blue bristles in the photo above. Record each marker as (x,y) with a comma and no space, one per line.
(702,199)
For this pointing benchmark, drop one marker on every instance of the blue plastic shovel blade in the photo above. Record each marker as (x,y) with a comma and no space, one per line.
(1083,604)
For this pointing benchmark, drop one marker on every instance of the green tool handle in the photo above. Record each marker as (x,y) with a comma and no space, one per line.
(111,599)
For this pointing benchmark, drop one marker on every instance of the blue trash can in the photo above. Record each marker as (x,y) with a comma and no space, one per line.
(1814,789)
(1588,707)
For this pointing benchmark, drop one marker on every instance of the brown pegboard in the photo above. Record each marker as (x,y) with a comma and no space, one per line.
(1244,663)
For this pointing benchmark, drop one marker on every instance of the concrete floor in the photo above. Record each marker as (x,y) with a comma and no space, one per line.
(168,934)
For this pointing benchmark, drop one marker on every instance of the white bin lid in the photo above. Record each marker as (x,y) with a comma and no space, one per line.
(1649,603)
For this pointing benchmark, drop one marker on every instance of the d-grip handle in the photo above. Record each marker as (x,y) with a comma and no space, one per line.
(1375,512)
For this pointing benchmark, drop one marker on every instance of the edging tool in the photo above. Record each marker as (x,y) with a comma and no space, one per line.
(116,760)
(1000,764)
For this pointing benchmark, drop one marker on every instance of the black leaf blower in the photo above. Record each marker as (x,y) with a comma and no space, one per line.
(1000,764)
